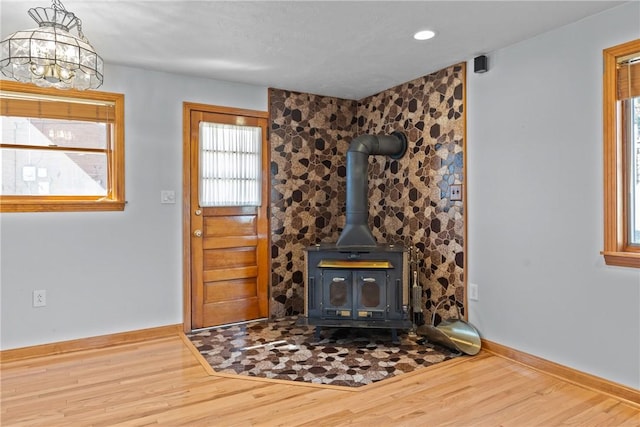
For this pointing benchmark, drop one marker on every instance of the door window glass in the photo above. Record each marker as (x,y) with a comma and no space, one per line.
(230,158)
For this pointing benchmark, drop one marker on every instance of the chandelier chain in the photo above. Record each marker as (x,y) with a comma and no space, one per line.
(57,5)
(79,29)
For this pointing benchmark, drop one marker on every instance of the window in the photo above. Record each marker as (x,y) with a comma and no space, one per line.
(230,164)
(621,114)
(631,117)
(60,150)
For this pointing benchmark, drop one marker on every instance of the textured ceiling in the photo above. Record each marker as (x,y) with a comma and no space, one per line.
(337,48)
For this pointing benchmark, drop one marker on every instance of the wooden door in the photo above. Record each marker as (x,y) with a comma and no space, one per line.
(228,233)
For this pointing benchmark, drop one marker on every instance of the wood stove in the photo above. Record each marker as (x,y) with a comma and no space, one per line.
(357,289)
(356,282)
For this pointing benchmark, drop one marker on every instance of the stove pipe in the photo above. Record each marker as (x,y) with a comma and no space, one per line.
(356,233)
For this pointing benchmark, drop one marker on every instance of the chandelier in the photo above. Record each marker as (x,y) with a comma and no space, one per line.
(50,56)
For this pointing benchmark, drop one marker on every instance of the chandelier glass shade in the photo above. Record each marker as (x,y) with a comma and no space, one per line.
(50,56)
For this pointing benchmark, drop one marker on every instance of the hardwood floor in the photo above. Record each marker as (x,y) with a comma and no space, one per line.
(160,382)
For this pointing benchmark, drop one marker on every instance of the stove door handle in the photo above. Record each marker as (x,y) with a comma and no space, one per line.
(368,279)
(338,279)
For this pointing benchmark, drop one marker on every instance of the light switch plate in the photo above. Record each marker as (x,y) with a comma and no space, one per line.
(455,191)
(167,197)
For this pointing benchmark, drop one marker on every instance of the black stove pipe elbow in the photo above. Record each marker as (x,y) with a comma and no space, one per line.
(356,233)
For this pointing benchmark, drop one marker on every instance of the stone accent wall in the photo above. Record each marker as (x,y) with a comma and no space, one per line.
(309,137)
(408,198)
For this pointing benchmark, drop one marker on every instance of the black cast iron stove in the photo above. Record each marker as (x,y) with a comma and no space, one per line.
(357,282)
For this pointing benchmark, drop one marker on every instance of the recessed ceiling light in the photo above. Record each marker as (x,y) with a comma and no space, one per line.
(424,35)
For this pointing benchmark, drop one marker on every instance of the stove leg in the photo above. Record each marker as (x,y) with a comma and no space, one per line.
(394,336)
(317,334)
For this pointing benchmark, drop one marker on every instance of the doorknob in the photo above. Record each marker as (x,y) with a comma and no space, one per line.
(197,233)
(198,212)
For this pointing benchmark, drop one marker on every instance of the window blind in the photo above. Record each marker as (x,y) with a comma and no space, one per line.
(230,164)
(49,107)
(628,79)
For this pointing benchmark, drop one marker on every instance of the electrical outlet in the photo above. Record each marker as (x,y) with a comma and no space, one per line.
(39,298)
(473,291)
(455,191)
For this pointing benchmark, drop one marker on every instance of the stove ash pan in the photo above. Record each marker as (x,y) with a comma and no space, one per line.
(366,289)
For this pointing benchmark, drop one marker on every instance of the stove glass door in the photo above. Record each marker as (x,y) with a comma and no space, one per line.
(371,292)
(337,294)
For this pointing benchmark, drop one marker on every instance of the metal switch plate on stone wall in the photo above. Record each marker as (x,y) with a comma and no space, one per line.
(455,192)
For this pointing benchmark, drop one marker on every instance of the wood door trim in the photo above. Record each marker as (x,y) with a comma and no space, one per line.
(187,109)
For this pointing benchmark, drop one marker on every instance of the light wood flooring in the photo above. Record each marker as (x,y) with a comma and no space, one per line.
(160,382)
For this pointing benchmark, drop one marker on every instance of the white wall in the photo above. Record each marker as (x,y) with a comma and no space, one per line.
(109,272)
(535,213)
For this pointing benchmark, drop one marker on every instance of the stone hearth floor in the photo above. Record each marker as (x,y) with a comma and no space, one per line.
(280,349)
